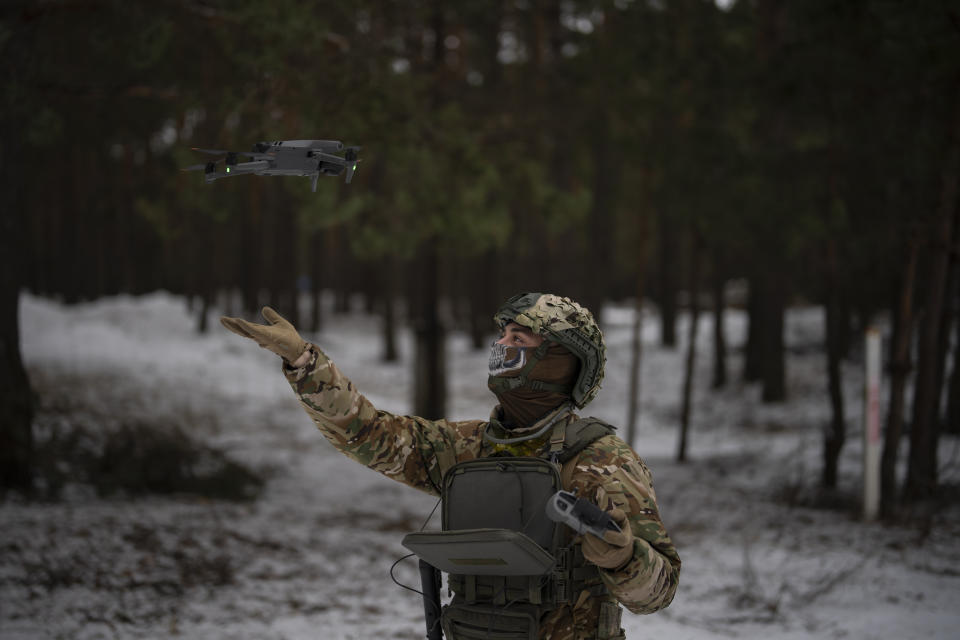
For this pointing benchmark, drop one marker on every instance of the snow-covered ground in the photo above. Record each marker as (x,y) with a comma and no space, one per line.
(310,558)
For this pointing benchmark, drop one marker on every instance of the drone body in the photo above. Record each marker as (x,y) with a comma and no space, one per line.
(283,158)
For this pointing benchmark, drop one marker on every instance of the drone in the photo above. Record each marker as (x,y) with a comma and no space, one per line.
(282,158)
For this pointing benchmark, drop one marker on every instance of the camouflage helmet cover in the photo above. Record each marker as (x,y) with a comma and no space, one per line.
(567,323)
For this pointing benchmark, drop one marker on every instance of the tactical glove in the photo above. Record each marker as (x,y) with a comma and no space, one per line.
(616,549)
(279,336)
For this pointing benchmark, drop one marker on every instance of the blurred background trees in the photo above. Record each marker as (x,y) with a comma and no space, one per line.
(598,149)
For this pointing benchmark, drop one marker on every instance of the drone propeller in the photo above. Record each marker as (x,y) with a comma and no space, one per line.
(208,167)
(232,155)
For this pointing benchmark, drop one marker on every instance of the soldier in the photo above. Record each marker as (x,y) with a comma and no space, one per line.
(548,361)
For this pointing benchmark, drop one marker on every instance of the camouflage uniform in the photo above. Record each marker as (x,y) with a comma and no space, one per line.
(418,452)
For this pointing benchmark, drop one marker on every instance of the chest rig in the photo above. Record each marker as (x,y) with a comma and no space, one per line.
(507,562)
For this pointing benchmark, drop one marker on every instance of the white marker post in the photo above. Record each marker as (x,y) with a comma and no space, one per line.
(871,425)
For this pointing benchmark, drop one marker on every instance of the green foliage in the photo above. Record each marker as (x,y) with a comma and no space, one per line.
(151,43)
(6,32)
(160,218)
(768,128)
(45,128)
(328,207)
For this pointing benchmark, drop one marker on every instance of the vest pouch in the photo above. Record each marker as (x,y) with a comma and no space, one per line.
(502,493)
(481,552)
(480,622)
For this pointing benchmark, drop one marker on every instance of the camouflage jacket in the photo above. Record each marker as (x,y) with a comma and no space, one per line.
(418,452)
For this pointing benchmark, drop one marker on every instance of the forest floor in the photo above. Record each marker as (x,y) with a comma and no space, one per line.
(307,554)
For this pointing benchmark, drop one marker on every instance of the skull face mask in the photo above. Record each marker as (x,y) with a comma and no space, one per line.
(529,382)
(504,359)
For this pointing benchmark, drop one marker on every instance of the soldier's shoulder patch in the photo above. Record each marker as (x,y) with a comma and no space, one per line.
(609,449)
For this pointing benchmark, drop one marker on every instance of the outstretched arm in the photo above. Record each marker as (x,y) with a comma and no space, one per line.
(411,450)
(408,449)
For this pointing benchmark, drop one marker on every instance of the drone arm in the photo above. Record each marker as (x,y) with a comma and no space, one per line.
(327,157)
(253,166)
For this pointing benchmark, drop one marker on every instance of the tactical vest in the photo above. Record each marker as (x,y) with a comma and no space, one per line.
(507,562)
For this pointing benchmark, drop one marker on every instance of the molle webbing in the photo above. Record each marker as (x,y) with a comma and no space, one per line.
(550,591)
(471,622)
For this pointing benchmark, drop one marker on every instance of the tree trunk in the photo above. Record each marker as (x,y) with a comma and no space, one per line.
(636,359)
(206,301)
(282,254)
(773,364)
(764,358)
(429,380)
(317,274)
(835,436)
(71,257)
(606,178)
(922,470)
(203,276)
(694,290)
(483,300)
(952,422)
(340,271)
(390,278)
(753,350)
(429,333)
(636,347)
(668,281)
(251,252)
(719,329)
(370,285)
(16,398)
(949,313)
(900,364)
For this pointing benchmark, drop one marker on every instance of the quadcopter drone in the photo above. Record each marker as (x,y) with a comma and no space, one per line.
(283,158)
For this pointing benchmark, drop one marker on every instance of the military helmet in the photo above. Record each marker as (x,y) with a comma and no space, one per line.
(565,322)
